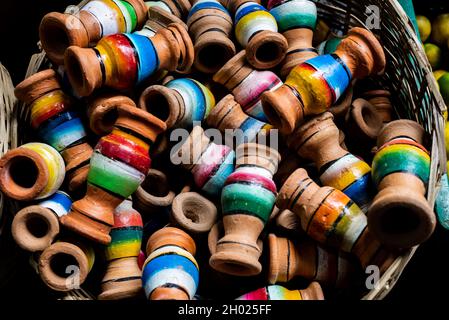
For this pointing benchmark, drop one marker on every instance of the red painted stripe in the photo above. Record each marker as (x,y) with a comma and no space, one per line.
(51,112)
(237,177)
(404,141)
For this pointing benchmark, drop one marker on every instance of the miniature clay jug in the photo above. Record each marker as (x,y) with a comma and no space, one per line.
(247,84)
(247,201)
(296,20)
(380,99)
(57,123)
(124,60)
(276,292)
(210,26)
(178,8)
(118,166)
(32,171)
(170,271)
(35,227)
(86,26)
(400,215)
(181,103)
(123,278)
(315,85)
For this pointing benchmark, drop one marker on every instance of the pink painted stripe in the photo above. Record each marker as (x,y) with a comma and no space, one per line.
(237,177)
(211,159)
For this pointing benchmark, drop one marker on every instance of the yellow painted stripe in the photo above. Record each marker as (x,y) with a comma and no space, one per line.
(348,175)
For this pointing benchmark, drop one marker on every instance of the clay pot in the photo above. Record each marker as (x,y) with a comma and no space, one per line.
(228,114)
(122,64)
(170,271)
(35,227)
(329,217)
(123,278)
(154,193)
(247,84)
(210,163)
(341,107)
(102,111)
(400,215)
(380,99)
(178,8)
(329,45)
(307,260)
(296,20)
(181,103)
(309,90)
(64,266)
(32,171)
(57,124)
(276,292)
(159,17)
(118,166)
(322,32)
(193,213)
(317,140)
(95,20)
(247,202)
(210,26)
(288,221)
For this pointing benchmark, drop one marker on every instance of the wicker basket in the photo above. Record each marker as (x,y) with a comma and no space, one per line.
(408,75)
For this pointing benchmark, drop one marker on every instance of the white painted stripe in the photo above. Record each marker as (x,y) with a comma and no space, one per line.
(335,169)
(358,224)
(254,170)
(106,15)
(175,276)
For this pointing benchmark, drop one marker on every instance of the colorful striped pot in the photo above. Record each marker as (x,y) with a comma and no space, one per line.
(315,85)
(57,123)
(94,20)
(123,278)
(276,292)
(400,215)
(170,271)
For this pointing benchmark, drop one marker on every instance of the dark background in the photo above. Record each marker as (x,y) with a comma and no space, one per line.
(425,278)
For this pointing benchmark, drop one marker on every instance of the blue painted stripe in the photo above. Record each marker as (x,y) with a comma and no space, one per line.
(360,190)
(61,198)
(148,61)
(206,5)
(217,181)
(170,261)
(250,128)
(241,12)
(62,136)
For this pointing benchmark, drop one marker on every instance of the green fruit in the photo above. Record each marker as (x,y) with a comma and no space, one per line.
(433,53)
(438,74)
(424,27)
(440,29)
(443,82)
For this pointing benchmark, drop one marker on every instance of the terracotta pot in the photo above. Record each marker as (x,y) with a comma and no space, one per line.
(159,17)
(329,45)
(181,103)
(276,292)
(35,227)
(170,271)
(63,266)
(154,193)
(380,99)
(32,171)
(95,20)
(247,201)
(307,260)
(296,20)
(118,166)
(341,107)
(57,123)
(178,8)
(310,89)
(288,221)
(102,111)
(247,84)
(122,64)
(317,140)
(210,26)
(193,213)
(400,215)
(123,278)
(210,163)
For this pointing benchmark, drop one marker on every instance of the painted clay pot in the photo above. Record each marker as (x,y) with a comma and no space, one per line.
(400,215)
(118,166)
(380,99)
(341,107)
(124,60)
(32,171)
(178,8)
(256,30)
(102,111)
(296,20)
(329,45)
(35,227)
(210,163)
(315,85)
(154,194)
(161,16)
(331,218)
(64,266)
(123,278)
(228,114)
(247,84)
(308,260)
(181,103)
(276,292)
(170,271)
(84,28)
(317,140)
(247,202)
(210,26)
(57,123)
(193,213)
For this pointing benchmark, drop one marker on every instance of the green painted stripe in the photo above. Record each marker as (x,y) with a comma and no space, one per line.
(132,14)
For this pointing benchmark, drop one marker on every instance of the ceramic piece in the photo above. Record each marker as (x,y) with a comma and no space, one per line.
(276,292)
